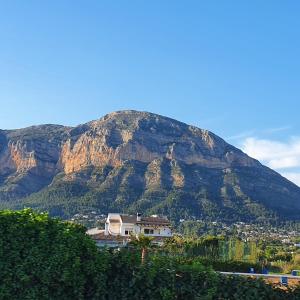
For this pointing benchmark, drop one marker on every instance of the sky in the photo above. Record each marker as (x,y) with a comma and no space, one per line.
(232,67)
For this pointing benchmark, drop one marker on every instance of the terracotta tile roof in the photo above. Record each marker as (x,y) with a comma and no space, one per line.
(145,220)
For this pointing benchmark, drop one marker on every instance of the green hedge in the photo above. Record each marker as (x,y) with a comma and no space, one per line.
(45,258)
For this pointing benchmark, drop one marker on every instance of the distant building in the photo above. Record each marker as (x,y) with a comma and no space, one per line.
(126,225)
(120,227)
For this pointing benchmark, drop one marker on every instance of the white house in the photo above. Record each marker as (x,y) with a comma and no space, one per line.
(126,225)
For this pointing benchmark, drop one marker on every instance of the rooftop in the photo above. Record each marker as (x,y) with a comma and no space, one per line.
(145,220)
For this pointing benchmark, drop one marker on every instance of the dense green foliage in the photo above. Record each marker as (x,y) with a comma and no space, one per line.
(232,254)
(212,247)
(169,278)
(45,258)
(279,257)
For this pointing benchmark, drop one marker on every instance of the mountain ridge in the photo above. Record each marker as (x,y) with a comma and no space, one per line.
(131,160)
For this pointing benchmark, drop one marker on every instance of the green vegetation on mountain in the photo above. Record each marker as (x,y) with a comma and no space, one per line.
(136,161)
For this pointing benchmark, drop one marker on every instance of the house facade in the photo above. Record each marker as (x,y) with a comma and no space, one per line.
(126,225)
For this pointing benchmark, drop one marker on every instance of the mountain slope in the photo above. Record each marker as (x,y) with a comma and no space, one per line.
(137,161)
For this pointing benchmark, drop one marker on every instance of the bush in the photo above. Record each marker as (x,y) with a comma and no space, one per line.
(159,278)
(45,258)
(237,287)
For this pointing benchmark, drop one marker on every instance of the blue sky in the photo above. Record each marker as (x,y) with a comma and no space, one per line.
(231,67)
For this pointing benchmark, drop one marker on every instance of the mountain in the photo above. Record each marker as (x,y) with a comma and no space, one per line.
(132,161)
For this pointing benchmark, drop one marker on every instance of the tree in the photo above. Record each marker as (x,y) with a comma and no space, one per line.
(142,242)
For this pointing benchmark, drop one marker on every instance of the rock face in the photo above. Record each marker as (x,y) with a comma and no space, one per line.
(133,160)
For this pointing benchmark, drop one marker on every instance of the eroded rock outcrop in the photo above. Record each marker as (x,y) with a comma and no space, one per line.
(134,154)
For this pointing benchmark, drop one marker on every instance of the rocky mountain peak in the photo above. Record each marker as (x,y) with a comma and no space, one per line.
(144,151)
(143,136)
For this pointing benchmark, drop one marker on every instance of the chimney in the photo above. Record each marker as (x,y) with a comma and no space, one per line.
(138,217)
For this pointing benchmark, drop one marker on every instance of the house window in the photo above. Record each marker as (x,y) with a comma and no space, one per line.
(148,231)
(128,232)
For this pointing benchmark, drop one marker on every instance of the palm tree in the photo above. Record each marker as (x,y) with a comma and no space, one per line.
(142,242)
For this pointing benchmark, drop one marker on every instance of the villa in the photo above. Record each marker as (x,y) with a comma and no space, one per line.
(126,225)
(120,227)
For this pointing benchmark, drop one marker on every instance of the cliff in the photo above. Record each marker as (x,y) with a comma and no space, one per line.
(129,161)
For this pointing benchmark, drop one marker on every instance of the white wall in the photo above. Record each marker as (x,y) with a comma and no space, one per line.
(127,226)
(165,231)
(114,228)
(158,231)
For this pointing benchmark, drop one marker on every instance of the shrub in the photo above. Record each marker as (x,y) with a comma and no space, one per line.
(45,258)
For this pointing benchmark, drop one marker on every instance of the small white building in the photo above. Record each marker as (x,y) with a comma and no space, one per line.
(126,225)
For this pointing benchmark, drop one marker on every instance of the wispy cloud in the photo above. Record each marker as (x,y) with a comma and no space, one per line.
(277,129)
(241,135)
(255,132)
(281,156)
